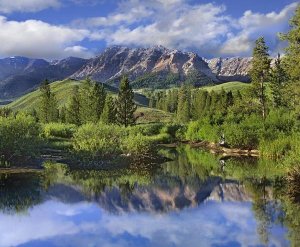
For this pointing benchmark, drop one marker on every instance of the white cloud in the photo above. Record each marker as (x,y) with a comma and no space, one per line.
(8,6)
(173,24)
(34,38)
(253,25)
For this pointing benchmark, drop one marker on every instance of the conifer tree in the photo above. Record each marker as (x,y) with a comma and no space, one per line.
(125,104)
(48,110)
(73,108)
(99,95)
(292,59)
(86,96)
(184,104)
(109,112)
(278,81)
(260,72)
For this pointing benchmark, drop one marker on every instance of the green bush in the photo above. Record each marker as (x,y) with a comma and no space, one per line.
(146,129)
(202,131)
(59,130)
(98,139)
(137,145)
(19,138)
(246,134)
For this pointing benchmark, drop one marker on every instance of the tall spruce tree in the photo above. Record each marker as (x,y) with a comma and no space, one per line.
(92,100)
(184,104)
(125,104)
(292,59)
(48,109)
(260,72)
(278,81)
(109,112)
(73,108)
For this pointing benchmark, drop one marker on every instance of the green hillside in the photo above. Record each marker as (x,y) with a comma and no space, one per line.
(62,90)
(228,86)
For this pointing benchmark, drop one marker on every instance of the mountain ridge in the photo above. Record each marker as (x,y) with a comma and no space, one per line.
(19,75)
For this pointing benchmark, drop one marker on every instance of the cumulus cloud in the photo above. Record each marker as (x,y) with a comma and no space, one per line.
(173,24)
(252,25)
(34,38)
(8,6)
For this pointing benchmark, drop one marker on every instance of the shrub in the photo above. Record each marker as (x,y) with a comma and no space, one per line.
(98,139)
(59,130)
(137,145)
(201,131)
(146,129)
(172,130)
(19,138)
(246,134)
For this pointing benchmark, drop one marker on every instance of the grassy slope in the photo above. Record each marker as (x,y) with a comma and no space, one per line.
(228,86)
(62,90)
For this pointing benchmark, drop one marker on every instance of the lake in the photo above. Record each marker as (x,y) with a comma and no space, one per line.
(197,199)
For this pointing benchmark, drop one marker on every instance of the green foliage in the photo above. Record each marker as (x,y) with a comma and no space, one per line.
(109,112)
(260,72)
(58,130)
(245,134)
(48,108)
(73,108)
(19,138)
(184,104)
(292,60)
(137,145)
(125,104)
(5,111)
(202,131)
(91,101)
(278,84)
(98,140)
(156,80)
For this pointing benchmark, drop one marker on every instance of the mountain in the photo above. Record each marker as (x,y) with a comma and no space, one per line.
(135,62)
(231,69)
(155,67)
(19,75)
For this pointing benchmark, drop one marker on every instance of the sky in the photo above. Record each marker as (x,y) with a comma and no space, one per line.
(55,29)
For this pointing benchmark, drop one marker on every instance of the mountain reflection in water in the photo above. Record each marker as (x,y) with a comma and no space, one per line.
(194,200)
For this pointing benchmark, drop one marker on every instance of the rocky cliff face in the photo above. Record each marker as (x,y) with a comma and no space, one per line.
(19,75)
(116,61)
(231,69)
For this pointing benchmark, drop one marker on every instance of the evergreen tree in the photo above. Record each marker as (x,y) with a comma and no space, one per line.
(109,112)
(184,104)
(260,72)
(73,108)
(91,100)
(125,104)
(292,59)
(99,95)
(86,99)
(48,110)
(278,80)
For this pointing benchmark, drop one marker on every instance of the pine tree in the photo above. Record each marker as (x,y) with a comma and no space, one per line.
(260,72)
(184,104)
(73,108)
(109,112)
(86,99)
(292,59)
(125,104)
(99,95)
(278,81)
(48,110)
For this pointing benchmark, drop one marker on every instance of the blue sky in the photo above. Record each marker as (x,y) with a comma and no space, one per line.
(54,29)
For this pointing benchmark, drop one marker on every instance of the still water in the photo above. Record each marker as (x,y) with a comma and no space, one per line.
(194,200)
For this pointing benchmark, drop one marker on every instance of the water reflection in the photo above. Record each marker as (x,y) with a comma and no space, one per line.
(195,200)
